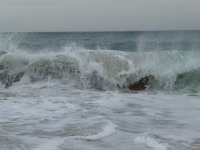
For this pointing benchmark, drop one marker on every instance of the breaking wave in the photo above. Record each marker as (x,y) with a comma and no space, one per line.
(104,69)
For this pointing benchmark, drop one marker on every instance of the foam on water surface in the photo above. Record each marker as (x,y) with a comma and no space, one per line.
(58,117)
(150,142)
(67,91)
(108,130)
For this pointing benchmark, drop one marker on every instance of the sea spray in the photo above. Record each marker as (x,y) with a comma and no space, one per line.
(105,69)
(51,91)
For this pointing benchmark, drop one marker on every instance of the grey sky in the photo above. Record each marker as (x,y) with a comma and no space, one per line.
(99,15)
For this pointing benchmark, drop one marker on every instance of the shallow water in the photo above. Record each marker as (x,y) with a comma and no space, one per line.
(46,116)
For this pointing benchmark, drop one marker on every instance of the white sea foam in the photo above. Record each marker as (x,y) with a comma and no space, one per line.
(108,130)
(150,142)
(59,116)
(50,145)
(50,109)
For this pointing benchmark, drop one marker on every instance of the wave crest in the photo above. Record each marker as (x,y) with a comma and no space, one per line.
(106,69)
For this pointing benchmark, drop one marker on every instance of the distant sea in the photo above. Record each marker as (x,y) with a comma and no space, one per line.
(69,91)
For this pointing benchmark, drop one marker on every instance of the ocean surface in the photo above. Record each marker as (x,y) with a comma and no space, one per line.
(70,91)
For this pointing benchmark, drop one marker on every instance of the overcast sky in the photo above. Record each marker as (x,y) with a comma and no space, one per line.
(99,15)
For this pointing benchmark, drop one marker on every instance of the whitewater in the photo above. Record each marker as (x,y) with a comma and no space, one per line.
(69,91)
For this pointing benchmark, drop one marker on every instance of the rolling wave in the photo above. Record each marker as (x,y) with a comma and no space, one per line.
(104,69)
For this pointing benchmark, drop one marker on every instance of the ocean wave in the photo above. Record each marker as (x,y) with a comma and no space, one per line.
(104,69)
